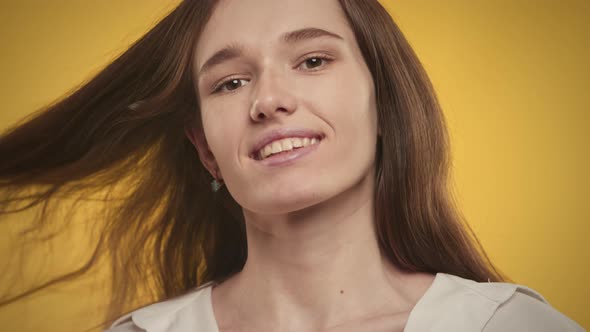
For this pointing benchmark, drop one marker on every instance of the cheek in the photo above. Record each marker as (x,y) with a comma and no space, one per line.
(353,116)
(223,137)
(347,103)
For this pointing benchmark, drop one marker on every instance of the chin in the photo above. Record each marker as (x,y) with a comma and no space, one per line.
(284,202)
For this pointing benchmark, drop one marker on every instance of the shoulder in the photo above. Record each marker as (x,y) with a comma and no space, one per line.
(186,312)
(458,304)
(522,312)
(518,308)
(124,325)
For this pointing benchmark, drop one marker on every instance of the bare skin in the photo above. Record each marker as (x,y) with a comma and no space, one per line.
(318,270)
(313,258)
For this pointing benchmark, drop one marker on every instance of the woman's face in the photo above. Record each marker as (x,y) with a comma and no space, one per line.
(284,75)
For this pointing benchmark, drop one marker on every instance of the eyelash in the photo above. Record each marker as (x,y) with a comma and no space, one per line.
(324,57)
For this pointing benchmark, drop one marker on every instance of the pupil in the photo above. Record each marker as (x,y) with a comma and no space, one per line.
(233,84)
(313,62)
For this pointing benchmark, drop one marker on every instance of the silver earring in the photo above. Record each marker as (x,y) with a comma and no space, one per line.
(215,185)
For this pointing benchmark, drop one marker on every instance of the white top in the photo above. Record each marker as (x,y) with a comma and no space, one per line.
(451,303)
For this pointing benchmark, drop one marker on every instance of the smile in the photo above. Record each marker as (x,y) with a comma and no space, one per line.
(286,151)
(284,146)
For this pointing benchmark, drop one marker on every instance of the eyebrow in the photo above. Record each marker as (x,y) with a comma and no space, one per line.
(235,50)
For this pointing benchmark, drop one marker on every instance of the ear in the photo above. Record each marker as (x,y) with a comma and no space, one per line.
(197,137)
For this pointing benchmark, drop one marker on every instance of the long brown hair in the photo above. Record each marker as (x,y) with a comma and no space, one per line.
(167,232)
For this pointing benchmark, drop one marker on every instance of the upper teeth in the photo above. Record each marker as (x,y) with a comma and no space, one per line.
(285,144)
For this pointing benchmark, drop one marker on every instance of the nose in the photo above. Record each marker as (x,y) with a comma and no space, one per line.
(273,96)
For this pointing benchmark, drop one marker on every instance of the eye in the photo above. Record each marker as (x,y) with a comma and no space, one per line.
(315,61)
(230,85)
(311,63)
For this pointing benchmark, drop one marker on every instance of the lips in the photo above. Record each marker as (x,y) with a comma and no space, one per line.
(283,159)
(279,134)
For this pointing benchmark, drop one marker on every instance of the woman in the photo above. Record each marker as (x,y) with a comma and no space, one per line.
(326,151)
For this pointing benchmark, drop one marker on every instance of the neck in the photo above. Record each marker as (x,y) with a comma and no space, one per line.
(317,268)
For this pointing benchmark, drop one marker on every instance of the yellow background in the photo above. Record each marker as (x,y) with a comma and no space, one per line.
(512,77)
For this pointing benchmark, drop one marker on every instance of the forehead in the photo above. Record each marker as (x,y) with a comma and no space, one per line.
(259,23)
